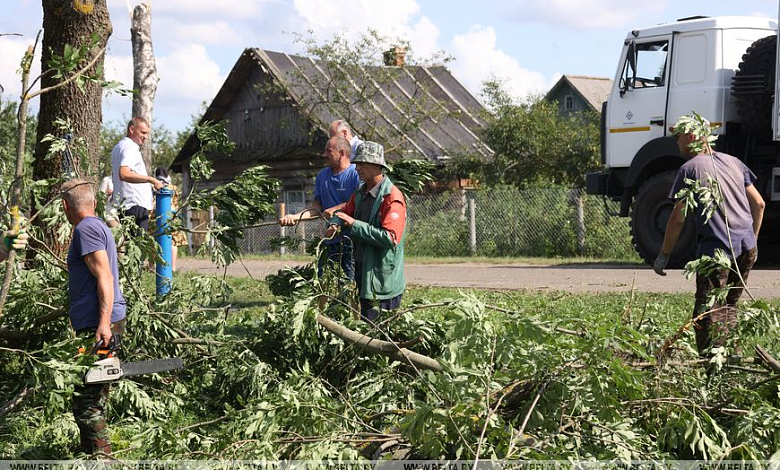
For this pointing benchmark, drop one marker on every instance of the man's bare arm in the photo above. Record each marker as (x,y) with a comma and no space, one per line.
(98,264)
(673,228)
(292,219)
(757,205)
(129,176)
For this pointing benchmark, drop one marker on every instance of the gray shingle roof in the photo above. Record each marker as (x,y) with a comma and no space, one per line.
(414,110)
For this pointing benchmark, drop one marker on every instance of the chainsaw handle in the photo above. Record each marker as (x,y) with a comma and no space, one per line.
(112,346)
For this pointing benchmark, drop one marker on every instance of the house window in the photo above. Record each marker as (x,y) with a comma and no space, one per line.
(568,103)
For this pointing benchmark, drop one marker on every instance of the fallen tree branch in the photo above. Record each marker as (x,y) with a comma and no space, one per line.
(15,401)
(767,359)
(377,346)
(195,342)
(557,328)
(204,423)
(20,335)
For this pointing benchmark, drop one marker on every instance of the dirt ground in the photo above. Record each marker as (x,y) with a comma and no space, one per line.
(592,277)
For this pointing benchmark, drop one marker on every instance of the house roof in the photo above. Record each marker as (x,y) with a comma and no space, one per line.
(446,117)
(594,90)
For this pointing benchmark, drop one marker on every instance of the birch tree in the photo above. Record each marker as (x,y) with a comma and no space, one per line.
(145,75)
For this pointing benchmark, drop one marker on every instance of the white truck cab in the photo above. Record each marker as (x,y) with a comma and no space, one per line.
(664,72)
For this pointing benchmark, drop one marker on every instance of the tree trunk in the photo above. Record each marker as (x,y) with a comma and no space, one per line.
(145,76)
(71,22)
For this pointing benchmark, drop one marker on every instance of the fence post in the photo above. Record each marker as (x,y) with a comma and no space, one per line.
(575,196)
(463,203)
(211,224)
(282,230)
(473,226)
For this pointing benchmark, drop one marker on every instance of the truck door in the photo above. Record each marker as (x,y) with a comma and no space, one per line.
(637,115)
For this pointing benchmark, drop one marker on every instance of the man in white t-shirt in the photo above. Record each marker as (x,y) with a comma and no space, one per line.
(132,185)
(341,128)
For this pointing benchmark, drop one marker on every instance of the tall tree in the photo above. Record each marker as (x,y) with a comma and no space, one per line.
(71,28)
(145,76)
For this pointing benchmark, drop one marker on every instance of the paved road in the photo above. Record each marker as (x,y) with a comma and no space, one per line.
(594,277)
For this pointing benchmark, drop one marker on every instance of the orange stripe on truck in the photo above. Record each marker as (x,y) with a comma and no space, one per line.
(629,129)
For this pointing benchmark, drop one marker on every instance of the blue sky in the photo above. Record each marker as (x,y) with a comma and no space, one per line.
(527,43)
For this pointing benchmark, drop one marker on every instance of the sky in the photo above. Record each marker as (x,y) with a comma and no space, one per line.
(527,44)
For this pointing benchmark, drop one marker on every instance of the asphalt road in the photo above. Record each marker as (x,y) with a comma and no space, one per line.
(592,277)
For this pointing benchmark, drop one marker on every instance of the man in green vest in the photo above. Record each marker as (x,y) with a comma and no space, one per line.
(376,214)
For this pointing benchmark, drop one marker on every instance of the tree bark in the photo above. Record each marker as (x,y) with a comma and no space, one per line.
(376,346)
(145,76)
(71,22)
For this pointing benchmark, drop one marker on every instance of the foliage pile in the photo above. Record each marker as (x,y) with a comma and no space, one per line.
(544,376)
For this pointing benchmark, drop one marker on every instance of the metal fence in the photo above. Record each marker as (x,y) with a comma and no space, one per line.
(544,222)
(505,222)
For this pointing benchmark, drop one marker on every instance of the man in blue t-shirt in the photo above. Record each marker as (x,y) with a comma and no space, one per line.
(333,187)
(732,227)
(97,307)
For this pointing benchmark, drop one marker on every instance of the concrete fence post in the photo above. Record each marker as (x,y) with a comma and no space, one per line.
(282,231)
(473,226)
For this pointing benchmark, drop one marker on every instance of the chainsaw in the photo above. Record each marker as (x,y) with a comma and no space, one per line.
(108,368)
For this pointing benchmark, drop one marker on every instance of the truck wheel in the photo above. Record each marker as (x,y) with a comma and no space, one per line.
(649,214)
(755,108)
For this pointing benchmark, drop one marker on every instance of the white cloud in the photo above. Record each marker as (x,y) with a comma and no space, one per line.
(188,73)
(12,49)
(188,76)
(395,20)
(477,60)
(585,14)
(198,9)
(217,32)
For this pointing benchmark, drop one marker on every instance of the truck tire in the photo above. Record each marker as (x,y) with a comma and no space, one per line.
(755,108)
(650,212)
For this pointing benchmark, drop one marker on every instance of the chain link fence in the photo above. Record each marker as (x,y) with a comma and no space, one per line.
(504,222)
(509,222)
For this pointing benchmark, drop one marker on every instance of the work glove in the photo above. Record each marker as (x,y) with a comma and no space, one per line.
(660,264)
(13,239)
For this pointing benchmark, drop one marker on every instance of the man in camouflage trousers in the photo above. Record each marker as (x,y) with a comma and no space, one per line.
(97,307)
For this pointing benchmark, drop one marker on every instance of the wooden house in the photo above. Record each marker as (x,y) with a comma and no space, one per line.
(278,108)
(576,93)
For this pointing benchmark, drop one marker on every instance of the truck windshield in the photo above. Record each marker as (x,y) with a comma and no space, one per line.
(650,66)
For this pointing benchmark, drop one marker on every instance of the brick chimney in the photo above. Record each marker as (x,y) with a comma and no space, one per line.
(395,57)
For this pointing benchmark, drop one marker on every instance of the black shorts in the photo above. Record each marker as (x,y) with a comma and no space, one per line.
(140,216)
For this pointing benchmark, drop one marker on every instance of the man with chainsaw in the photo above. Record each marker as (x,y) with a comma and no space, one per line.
(732,225)
(376,216)
(97,307)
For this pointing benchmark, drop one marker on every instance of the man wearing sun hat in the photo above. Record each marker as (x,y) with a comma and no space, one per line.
(376,214)
(732,226)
